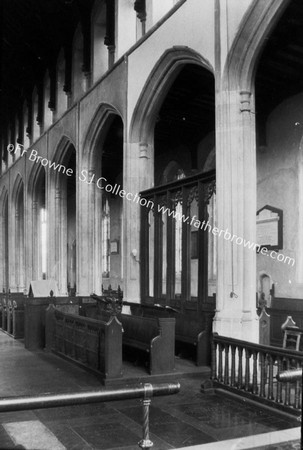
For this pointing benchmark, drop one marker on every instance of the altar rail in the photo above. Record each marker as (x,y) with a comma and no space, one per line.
(146,392)
(94,344)
(250,370)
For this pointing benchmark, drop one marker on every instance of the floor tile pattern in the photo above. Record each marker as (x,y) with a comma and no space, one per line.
(186,419)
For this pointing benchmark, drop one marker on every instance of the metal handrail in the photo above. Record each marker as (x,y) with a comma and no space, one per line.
(288,376)
(144,391)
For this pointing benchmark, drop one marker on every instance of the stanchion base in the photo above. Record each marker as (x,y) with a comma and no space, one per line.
(145,443)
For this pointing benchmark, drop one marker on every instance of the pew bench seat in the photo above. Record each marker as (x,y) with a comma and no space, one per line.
(156,336)
(190,331)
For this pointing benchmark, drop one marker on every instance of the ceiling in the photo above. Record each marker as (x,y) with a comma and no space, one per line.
(188,110)
(32,33)
(280,67)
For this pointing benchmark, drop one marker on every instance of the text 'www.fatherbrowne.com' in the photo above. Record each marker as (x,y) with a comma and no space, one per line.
(101,183)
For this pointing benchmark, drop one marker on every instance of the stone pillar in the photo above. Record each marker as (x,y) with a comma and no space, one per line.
(89,261)
(138,175)
(236,207)
(17,252)
(35,241)
(60,250)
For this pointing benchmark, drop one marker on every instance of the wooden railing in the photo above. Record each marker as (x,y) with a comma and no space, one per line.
(250,370)
(95,344)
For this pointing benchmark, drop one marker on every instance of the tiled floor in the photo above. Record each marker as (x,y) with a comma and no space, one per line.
(189,418)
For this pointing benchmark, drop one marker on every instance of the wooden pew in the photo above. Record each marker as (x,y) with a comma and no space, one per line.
(4,312)
(12,313)
(94,344)
(15,314)
(190,331)
(156,336)
(34,320)
(191,328)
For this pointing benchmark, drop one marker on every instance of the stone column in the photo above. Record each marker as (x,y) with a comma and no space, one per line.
(17,252)
(35,241)
(138,175)
(60,269)
(89,262)
(236,207)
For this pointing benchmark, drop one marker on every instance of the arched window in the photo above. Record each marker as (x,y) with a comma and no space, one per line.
(105,238)
(35,124)
(4,243)
(47,113)
(61,95)
(19,238)
(43,242)
(26,139)
(78,79)
(100,52)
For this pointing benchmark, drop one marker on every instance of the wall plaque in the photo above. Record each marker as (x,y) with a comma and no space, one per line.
(114,247)
(270,228)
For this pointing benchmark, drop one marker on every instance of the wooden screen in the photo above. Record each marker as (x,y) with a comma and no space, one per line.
(174,240)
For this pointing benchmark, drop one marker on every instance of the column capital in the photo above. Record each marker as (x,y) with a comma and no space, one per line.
(245,101)
(143,150)
(58,193)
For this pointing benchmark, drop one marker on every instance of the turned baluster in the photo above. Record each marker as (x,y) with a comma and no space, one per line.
(255,373)
(279,384)
(240,369)
(270,378)
(214,361)
(263,374)
(287,387)
(220,368)
(233,365)
(226,364)
(247,369)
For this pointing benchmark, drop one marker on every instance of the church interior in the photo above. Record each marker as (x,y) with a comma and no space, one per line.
(151,208)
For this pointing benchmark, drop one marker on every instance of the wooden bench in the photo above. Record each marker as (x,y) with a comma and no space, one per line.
(153,335)
(15,315)
(193,329)
(3,313)
(190,331)
(93,344)
(34,317)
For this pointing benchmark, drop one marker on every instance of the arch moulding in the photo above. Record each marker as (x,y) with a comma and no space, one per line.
(97,131)
(156,87)
(258,22)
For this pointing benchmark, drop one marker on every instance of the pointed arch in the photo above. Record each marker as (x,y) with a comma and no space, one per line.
(62,148)
(97,132)
(105,135)
(36,218)
(156,87)
(18,211)
(259,20)
(18,184)
(4,237)
(62,226)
